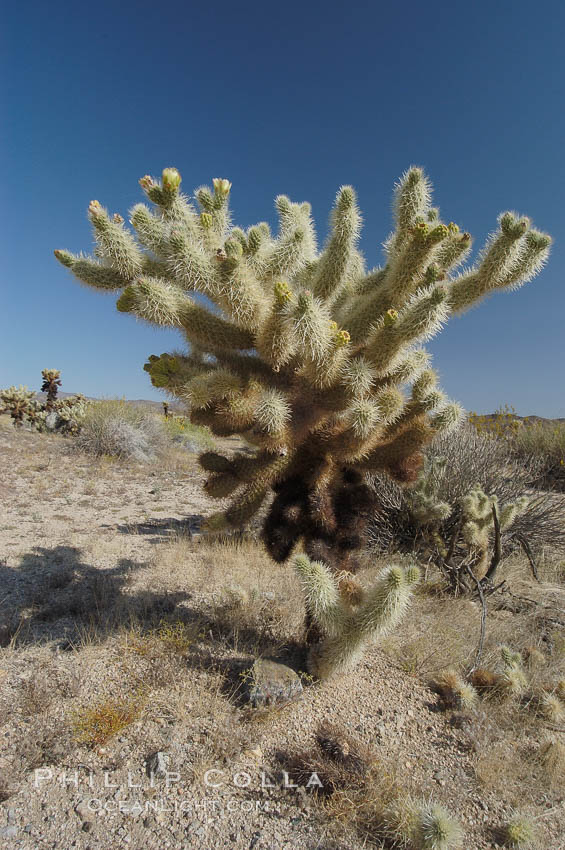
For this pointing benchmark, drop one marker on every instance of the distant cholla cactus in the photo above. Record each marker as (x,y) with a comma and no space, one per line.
(471,518)
(20,403)
(70,413)
(50,385)
(302,352)
(348,622)
(478,522)
(426,507)
(55,414)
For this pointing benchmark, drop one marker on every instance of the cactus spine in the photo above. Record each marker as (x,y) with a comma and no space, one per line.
(305,352)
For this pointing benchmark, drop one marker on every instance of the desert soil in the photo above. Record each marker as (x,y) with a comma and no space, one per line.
(89,550)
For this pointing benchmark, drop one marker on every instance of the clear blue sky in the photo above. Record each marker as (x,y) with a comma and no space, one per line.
(293,97)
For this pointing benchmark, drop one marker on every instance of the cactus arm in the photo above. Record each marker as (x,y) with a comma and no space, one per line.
(331,273)
(92,272)
(348,629)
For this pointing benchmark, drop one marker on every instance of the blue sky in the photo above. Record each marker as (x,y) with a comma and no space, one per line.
(289,97)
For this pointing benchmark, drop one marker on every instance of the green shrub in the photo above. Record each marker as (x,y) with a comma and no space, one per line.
(192,437)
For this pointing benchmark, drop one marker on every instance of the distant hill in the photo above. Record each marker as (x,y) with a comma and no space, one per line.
(531,419)
(176,406)
(173,405)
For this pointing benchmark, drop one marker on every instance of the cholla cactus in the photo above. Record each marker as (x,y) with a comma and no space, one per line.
(454,691)
(470,518)
(422,825)
(55,414)
(304,352)
(20,403)
(519,832)
(478,522)
(50,385)
(425,506)
(437,829)
(349,622)
(512,681)
(70,413)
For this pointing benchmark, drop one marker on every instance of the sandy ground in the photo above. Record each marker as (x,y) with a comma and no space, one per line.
(94,556)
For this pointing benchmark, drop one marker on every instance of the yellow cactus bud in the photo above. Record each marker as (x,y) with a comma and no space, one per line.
(342,338)
(454,228)
(221,186)
(439,233)
(117,218)
(171,179)
(146,182)
(233,248)
(206,220)
(282,291)
(333,326)
(390,317)
(95,207)
(421,229)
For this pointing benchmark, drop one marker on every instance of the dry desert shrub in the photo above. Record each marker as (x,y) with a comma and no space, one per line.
(118,429)
(546,442)
(529,438)
(472,458)
(360,795)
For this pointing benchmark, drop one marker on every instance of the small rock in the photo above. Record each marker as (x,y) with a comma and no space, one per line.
(158,763)
(51,421)
(8,832)
(254,753)
(439,777)
(271,683)
(82,810)
(11,815)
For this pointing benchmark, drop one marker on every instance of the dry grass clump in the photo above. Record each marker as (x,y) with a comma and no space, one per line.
(94,725)
(205,709)
(359,794)
(244,597)
(552,759)
(36,694)
(175,637)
